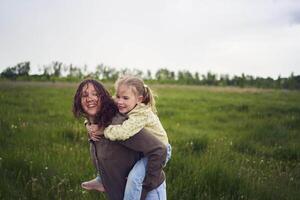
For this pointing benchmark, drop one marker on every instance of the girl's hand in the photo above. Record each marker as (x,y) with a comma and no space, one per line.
(94,132)
(95,128)
(95,137)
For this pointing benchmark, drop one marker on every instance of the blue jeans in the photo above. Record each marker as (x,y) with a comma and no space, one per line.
(133,189)
(158,193)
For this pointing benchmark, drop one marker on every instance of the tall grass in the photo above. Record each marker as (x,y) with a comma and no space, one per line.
(227,143)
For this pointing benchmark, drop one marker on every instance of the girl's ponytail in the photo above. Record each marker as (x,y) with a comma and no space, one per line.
(148,98)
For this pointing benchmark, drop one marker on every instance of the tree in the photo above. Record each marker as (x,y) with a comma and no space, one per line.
(74,72)
(10,72)
(224,80)
(242,80)
(197,78)
(148,75)
(106,73)
(48,71)
(57,67)
(21,69)
(186,77)
(165,75)
(209,79)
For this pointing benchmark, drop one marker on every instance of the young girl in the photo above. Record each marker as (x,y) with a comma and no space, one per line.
(135,99)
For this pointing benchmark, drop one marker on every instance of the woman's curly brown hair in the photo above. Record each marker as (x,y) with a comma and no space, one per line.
(108,107)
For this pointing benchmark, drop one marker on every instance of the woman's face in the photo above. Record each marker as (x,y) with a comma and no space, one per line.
(90,100)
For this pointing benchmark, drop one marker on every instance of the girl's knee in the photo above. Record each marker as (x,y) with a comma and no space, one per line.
(133,179)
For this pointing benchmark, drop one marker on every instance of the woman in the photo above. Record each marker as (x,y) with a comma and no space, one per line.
(115,159)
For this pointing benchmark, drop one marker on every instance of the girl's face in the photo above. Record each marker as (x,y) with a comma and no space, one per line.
(90,100)
(126,99)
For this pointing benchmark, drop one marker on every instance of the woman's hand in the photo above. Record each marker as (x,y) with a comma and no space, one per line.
(95,133)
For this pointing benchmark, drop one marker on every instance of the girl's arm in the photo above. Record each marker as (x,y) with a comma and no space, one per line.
(128,128)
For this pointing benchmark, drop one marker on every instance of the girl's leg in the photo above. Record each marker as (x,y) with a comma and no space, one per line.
(98,178)
(158,193)
(169,153)
(133,189)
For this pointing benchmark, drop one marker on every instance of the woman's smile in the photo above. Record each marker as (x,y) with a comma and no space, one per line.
(90,100)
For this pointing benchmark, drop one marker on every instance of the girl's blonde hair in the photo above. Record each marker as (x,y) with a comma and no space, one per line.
(139,88)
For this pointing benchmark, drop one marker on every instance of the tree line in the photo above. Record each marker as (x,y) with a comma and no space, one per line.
(57,71)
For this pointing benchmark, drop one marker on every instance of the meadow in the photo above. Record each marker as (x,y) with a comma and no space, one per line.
(228,143)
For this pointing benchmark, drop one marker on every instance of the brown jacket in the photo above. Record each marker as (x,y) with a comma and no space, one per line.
(116,159)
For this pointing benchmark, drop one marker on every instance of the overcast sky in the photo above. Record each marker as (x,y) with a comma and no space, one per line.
(256,37)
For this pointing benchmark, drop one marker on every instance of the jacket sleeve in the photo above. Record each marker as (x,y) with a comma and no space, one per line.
(156,153)
(128,128)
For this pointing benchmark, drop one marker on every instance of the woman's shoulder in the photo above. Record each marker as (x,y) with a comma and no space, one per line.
(141,109)
(119,118)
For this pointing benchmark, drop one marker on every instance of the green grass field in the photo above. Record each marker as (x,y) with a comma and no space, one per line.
(228,143)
